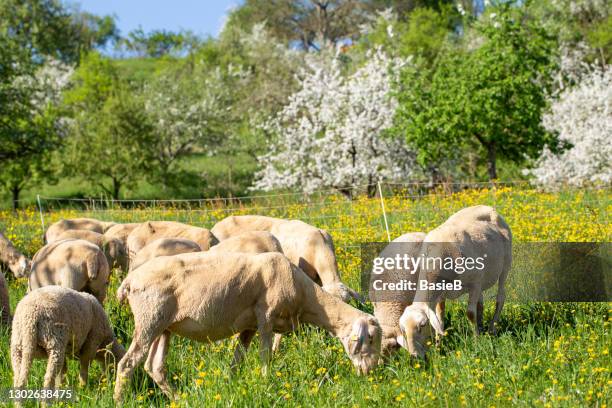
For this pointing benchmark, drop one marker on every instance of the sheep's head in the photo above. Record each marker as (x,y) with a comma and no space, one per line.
(20,266)
(363,344)
(116,251)
(414,325)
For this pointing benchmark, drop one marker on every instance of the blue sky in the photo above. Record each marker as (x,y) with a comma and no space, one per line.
(203,17)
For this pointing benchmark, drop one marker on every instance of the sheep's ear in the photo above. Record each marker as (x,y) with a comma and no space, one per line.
(401,341)
(433,320)
(359,333)
(150,227)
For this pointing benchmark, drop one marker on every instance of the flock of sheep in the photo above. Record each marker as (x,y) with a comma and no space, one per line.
(247,275)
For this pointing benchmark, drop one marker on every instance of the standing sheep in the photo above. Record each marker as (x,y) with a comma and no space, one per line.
(151,230)
(388,307)
(89,224)
(163,247)
(15,260)
(212,296)
(75,264)
(113,248)
(308,247)
(472,233)
(52,321)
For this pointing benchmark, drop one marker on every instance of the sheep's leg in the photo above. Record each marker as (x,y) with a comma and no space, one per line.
(136,353)
(472,308)
(59,380)
(244,340)
(55,364)
(87,354)
(440,307)
(155,366)
(22,361)
(18,381)
(264,327)
(480,312)
(277,341)
(499,305)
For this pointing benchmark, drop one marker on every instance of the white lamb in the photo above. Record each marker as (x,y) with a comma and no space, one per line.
(474,232)
(388,307)
(51,322)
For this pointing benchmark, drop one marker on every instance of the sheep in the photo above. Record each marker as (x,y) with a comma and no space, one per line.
(151,230)
(5,317)
(163,247)
(473,232)
(310,248)
(62,225)
(52,321)
(210,296)
(388,307)
(71,263)
(121,231)
(17,262)
(113,248)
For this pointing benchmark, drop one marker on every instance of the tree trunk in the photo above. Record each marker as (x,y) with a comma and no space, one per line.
(347,192)
(15,191)
(116,188)
(491,158)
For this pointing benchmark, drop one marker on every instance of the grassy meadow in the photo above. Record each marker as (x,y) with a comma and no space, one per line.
(545,354)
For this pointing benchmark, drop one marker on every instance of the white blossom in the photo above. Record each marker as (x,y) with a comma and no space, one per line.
(47,83)
(583,117)
(330,132)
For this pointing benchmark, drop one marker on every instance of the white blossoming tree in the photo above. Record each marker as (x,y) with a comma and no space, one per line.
(330,134)
(187,110)
(583,118)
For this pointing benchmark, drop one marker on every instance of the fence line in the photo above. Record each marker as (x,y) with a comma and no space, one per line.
(323,205)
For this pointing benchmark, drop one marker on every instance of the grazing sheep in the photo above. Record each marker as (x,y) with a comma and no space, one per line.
(151,230)
(121,231)
(113,248)
(72,263)
(89,224)
(51,322)
(389,307)
(310,248)
(15,260)
(5,304)
(474,232)
(210,296)
(163,247)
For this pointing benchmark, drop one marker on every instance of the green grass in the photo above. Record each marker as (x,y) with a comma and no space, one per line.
(545,354)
